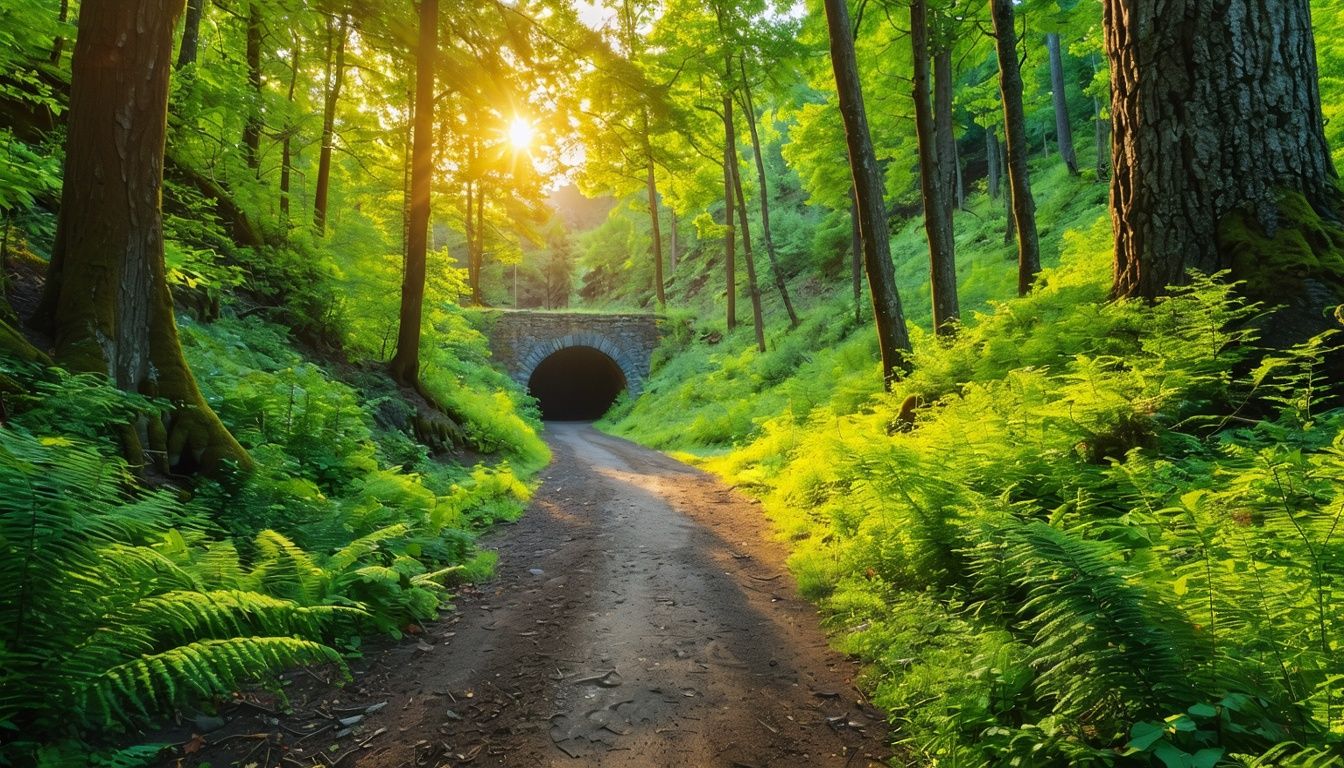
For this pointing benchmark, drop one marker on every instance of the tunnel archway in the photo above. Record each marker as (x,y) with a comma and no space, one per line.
(576,384)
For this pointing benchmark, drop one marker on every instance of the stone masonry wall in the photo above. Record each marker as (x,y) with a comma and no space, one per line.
(521,339)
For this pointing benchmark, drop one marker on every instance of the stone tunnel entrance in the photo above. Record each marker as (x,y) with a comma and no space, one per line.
(576,384)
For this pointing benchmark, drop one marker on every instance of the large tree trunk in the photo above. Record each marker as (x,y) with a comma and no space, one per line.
(252,128)
(337,32)
(1063,128)
(1010,229)
(730,164)
(936,184)
(405,364)
(758,153)
(1221,160)
(1015,126)
(892,337)
(110,309)
(191,33)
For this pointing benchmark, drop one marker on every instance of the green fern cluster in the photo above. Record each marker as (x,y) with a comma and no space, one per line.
(104,622)
(1112,536)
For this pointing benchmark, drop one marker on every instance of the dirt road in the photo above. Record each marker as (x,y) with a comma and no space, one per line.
(641,617)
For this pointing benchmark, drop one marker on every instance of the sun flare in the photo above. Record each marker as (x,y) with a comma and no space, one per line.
(521,133)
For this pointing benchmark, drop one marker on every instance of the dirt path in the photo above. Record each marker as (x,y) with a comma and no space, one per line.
(641,617)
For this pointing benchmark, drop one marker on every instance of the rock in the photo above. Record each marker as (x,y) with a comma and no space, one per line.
(208,723)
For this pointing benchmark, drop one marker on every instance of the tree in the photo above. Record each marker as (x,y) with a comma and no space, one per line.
(405,364)
(191,33)
(733,194)
(106,299)
(1015,128)
(893,340)
(1219,132)
(1063,128)
(749,109)
(253,125)
(337,33)
(934,182)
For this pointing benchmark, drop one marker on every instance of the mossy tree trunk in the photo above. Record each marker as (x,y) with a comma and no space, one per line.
(893,339)
(405,365)
(252,128)
(109,306)
(1219,145)
(1015,128)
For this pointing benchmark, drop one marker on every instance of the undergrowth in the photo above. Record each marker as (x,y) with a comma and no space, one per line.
(1111,536)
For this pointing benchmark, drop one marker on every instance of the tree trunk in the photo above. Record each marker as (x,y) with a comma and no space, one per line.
(949,170)
(936,185)
(656,231)
(1015,126)
(730,231)
(1103,139)
(191,33)
(1010,229)
(252,129)
(992,160)
(58,45)
(1220,159)
(478,290)
(110,308)
(337,32)
(892,338)
(405,364)
(287,144)
(856,259)
(1063,128)
(672,255)
(759,154)
(730,164)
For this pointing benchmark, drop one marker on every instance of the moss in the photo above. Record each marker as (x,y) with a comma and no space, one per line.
(1304,246)
(13,343)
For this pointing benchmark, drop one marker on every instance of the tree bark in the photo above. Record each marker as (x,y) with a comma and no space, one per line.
(1063,128)
(936,185)
(337,32)
(856,258)
(252,128)
(405,364)
(1010,229)
(672,255)
(191,33)
(949,169)
(110,308)
(287,143)
(1015,126)
(656,232)
(758,154)
(893,340)
(730,164)
(730,231)
(58,45)
(992,160)
(1217,123)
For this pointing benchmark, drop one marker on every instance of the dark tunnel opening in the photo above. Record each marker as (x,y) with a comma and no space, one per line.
(576,384)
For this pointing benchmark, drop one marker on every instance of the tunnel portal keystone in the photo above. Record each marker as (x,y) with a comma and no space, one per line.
(520,339)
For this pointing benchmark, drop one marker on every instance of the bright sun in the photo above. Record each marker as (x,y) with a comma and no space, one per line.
(521,133)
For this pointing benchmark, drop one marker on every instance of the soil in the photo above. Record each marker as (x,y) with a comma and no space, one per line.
(641,616)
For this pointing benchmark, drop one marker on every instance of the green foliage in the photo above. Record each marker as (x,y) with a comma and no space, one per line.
(1104,513)
(105,620)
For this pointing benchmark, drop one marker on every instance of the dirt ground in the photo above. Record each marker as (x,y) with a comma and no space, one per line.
(641,617)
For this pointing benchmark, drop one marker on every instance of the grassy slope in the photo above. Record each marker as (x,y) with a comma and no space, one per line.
(1017,569)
